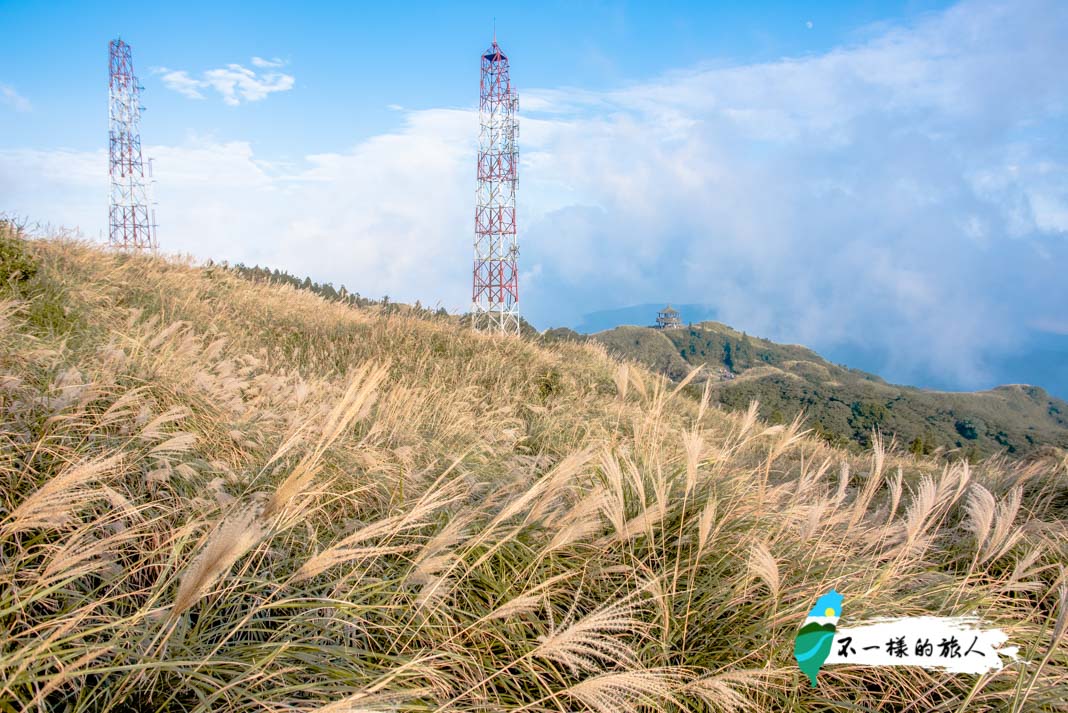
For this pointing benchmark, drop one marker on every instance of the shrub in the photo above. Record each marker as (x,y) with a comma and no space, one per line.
(16,264)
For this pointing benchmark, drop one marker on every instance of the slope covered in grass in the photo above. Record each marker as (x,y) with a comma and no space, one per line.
(217,495)
(846,405)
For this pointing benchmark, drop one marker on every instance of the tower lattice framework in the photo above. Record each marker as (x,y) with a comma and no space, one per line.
(495,291)
(130,225)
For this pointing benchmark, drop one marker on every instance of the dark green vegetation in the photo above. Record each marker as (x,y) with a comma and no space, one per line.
(845,405)
(16,264)
(327,291)
(20,278)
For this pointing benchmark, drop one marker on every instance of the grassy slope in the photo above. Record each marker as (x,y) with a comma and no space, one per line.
(649,347)
(846,404)
(220,495)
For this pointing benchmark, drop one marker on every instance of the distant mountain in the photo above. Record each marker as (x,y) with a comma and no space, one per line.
(1040,357)
(843,405)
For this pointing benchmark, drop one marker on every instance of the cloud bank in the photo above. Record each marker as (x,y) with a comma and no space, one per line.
(907,195)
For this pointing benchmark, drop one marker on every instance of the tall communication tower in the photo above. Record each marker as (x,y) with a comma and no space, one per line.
(130,225)
(495,291)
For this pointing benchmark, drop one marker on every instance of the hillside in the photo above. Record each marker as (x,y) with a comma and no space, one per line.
(218,494)
(845,405)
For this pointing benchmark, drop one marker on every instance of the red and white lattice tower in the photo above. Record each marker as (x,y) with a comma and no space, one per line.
(130,226)
(495,291)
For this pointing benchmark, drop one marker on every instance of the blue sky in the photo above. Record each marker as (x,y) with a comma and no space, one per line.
(352,61)
(888,178)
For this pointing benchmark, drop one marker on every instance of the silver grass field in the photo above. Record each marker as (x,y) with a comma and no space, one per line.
(219,495)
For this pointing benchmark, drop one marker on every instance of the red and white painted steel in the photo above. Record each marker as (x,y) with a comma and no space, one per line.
(495,286)
(131,218)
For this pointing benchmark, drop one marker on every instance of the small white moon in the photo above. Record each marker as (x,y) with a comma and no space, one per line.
(809,24)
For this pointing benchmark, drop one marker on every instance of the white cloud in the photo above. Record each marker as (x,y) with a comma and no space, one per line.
(827,200)
(268,63)
(9,96)
(234,83)
(388,217)
(181,82)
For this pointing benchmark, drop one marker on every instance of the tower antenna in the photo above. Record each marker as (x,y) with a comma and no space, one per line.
(130,226)
(495,285)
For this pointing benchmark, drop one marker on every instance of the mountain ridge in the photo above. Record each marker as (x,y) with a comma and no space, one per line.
(1039,354)
(840,403)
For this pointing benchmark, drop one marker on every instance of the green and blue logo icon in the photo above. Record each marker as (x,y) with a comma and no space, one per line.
(813,643)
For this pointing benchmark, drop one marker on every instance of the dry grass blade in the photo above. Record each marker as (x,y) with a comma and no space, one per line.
(152,430)
(178,443)
(543,490)
(437,553)
(346,549)
(643,522)
(622,379)
(726,691)
(705,523)
(639,383)
(84,552)
(595,640)
(706,398)
(232,538)
(69,672)
(896,486)
(377,697)
(580,522)
(387,702)
(763,565)
(686,380)
(1004,535)
(871,486)
(981,507)
(529,600)
(694,445)
(747,423)
(843,484)
(54,503)
(8,309)
(629,691)
(1058,633)
(924,501)
(358,398)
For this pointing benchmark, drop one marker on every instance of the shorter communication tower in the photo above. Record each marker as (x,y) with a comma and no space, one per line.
(495,288)
(131,219)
